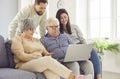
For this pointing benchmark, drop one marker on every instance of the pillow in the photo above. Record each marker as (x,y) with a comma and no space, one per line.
(10,54)
(3,54)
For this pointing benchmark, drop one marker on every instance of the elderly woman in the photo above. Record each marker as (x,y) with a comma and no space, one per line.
(30,54)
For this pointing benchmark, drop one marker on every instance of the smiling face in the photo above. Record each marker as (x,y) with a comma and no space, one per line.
(64,18)
(40,8)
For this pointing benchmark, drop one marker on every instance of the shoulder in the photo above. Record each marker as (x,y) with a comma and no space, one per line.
(17,39)
(29,8)
(73,26)
(65,36)
(36,39)
(43,37)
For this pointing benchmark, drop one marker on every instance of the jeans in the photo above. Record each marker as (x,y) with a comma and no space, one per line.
(97,64)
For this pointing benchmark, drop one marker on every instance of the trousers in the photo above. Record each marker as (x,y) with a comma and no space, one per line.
(95,59)
(74,66)
(49,66)
(86,68)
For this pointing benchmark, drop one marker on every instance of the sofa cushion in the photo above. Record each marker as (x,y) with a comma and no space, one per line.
(9,73)
(3,54)
(40,76)
(10,54)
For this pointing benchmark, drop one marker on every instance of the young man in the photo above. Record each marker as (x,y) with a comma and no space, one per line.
(35,11)
(57,44)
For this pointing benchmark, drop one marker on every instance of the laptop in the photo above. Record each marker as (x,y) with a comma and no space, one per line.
(78,52)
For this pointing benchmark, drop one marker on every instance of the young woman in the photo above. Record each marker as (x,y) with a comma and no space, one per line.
(74,32)
(30,54)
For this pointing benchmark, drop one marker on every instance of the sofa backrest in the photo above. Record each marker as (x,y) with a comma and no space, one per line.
(3,54)
(10,54)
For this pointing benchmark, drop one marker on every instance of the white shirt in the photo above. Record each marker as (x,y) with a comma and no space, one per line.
(27,12)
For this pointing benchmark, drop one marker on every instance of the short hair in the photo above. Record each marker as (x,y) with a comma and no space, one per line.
(27,24)
(41,1)
(50,20)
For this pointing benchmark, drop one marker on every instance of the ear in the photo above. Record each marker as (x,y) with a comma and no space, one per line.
(34,5)
(46,28)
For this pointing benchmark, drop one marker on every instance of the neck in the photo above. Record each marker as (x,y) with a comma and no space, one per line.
(64,25)
(26,37)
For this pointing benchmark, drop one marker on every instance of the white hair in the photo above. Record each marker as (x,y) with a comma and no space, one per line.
(26,24)
(51,20)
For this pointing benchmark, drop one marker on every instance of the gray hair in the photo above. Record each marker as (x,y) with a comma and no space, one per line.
(27,24)
(50,20)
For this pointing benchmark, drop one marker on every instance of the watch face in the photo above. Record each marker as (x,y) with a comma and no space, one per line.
(60,4)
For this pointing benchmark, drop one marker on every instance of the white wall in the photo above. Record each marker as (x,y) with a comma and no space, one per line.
(82,16)
(69,5)
(111,62)
(23,3)
(8,9)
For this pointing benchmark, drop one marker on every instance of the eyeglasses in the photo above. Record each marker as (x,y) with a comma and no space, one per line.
(54,27)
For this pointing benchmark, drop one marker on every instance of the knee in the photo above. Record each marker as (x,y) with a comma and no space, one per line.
(88,64)
(76,64)
(47,58)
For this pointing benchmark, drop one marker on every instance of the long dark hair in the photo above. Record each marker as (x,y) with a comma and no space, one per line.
(68,26)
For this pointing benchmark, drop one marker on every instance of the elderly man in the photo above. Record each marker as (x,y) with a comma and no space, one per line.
(57,44)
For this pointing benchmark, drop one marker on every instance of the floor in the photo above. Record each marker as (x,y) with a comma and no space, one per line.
(110,75)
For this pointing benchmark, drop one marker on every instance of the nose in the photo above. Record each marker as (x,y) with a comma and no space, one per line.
(43,10)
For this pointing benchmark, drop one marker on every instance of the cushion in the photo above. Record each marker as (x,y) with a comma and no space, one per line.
(40,76)
(9,73)
(10,54)
(3,54)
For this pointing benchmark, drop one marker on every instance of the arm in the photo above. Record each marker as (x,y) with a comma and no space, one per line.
(42,24)
(79,34)
(45,52)
(12,29)
(52,47)
(18,50)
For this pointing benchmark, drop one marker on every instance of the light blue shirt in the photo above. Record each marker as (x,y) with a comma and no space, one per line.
(56,45)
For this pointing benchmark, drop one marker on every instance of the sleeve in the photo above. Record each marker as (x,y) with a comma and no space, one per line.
(42,40)
(80,35)
(44,50)
(18,50)
(70,41)
(12,28)
(42,24)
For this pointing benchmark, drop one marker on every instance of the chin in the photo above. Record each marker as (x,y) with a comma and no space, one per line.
(39,14)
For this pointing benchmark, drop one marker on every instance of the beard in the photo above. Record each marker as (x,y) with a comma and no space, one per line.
(39,13)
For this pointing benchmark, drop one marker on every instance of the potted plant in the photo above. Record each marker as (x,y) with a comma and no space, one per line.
(105,44)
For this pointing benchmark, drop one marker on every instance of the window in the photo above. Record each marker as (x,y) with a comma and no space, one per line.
(118,18)
(104,18)
(100,18)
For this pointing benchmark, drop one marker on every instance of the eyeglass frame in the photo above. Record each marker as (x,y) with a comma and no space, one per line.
(54,27)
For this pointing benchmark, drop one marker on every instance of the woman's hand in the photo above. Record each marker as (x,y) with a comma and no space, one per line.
(49,54)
